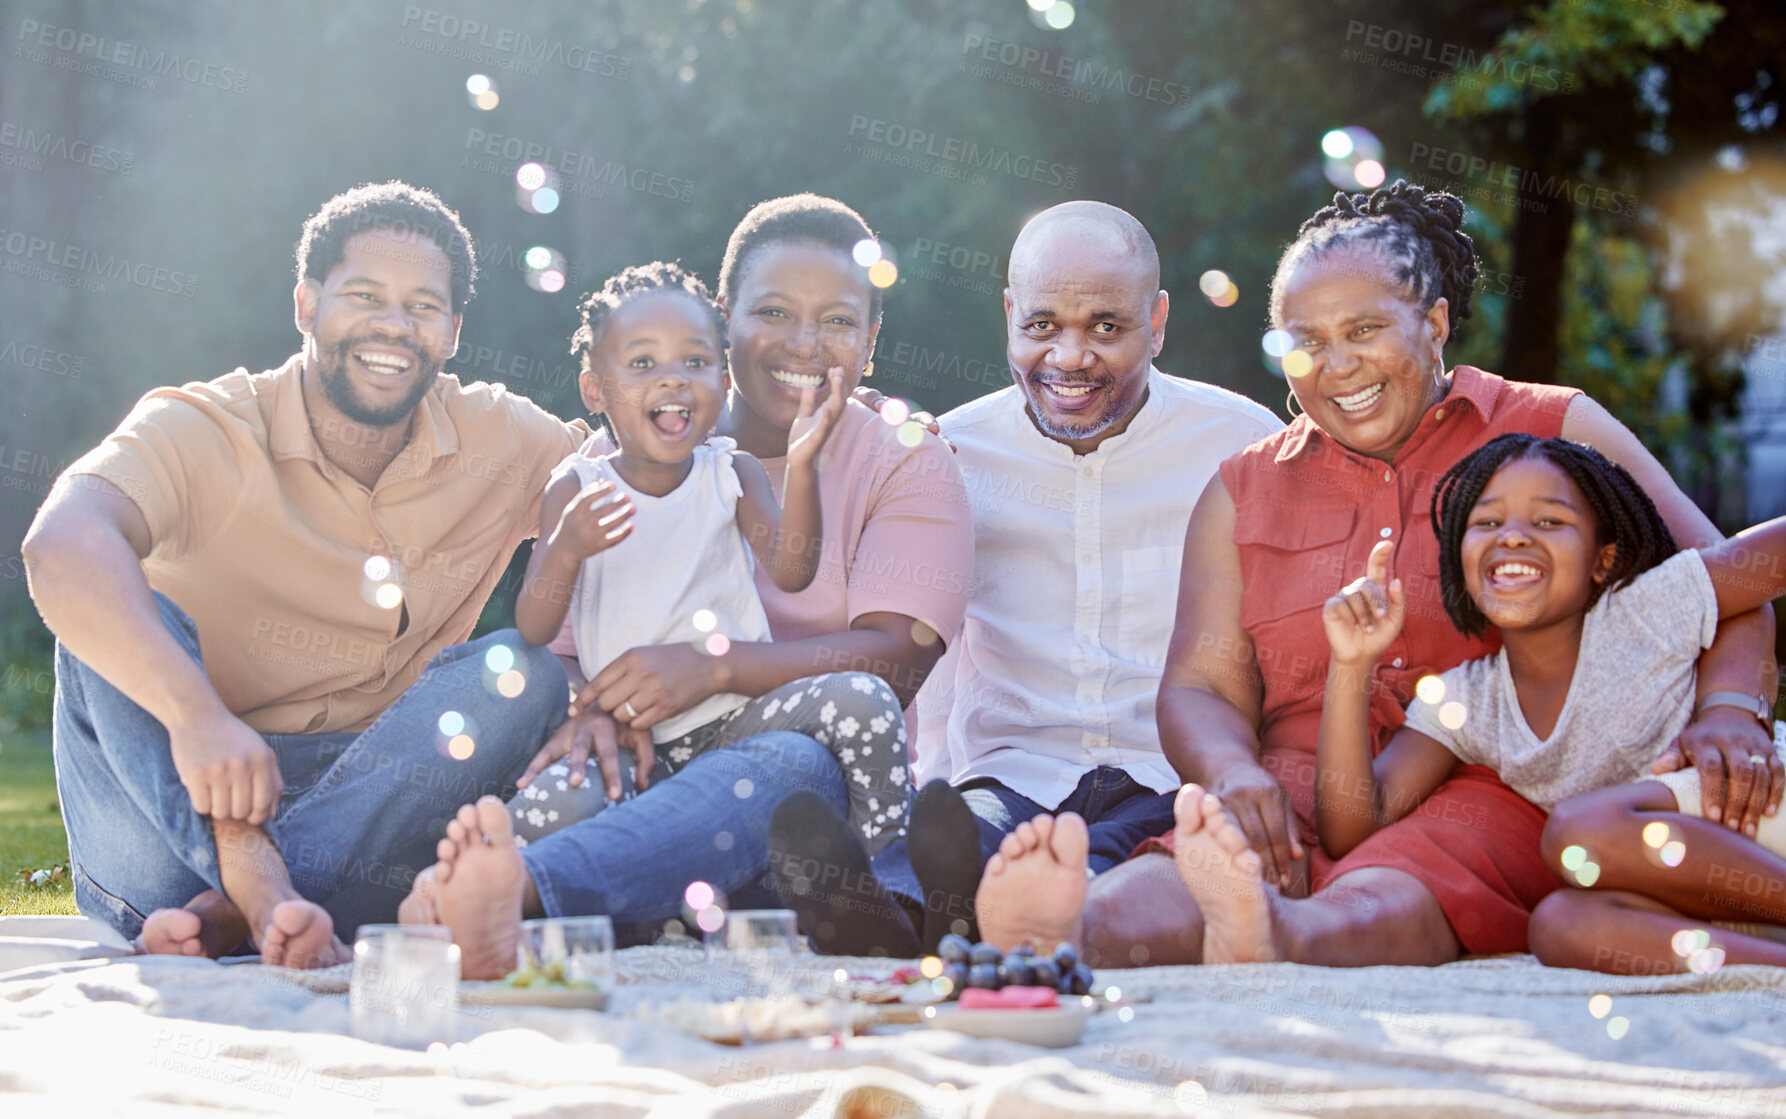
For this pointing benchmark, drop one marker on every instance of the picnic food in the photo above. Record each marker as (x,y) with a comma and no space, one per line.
(984,967)
(550,974)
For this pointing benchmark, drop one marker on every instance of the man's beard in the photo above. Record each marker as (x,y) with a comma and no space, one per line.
(338,386)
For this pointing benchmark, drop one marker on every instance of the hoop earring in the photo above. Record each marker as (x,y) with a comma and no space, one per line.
(1290,404)
(867,370)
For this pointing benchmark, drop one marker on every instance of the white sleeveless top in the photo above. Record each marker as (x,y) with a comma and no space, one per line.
(684,554)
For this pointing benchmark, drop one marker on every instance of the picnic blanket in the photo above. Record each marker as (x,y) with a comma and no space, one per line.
(1497,1037)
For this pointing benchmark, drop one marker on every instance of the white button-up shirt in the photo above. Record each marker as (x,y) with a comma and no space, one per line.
(1076,563)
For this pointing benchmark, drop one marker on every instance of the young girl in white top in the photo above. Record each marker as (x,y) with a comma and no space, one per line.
(655,544)
(1601,622)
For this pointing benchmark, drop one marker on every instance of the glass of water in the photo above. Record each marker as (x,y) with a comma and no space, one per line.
(404,989)
(583,946)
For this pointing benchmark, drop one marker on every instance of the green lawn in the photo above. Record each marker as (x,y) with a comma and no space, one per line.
(31,835)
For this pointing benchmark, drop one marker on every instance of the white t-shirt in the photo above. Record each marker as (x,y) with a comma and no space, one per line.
(1631,695)
(1076,561)
(684,554)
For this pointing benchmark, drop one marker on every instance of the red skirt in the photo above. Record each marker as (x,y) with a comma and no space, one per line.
(1473,844)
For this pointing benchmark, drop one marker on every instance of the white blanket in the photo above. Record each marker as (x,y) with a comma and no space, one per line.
(1502,1037)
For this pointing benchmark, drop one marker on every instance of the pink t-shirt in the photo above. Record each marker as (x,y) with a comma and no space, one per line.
(898,534)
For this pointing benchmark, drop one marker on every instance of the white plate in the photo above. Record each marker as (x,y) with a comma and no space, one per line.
(1053,1028)
(559,998)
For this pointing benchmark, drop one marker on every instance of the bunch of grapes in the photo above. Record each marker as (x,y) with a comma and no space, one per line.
(966,964)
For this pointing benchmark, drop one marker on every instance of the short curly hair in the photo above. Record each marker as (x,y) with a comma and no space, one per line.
(640,279)
(395,206)
(798,217)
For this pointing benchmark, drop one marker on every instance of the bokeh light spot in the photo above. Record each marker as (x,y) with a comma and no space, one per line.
(911,433)
(1040,5)
(698,896)
(718,644)
(530,176)
(1059,15)
(1655,833)
(1298,364)
(1277,343)
(711,919)
(476,84)
(1452,715)
(1587,873)
(1618,1027)
(1673,852)
(1227,297)
(882,273)
(923,634)
(706,621)
(1370,174)
(388,596)
(460,747)
(1574,856)
(499,658)
(538,257)
(545,200)
(510,684)
(743,788)
(1704,961)
(1431,690)
(1336,144)
(722,841)
(895,411)
(866,251)
(1600,1006)
(377,568)
(930,967)
(451,723)
(486,100)
(1213,282)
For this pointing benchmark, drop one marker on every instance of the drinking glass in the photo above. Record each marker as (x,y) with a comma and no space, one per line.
(584,945)
(404,988)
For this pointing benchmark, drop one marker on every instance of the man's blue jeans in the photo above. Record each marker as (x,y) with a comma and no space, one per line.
(360,815)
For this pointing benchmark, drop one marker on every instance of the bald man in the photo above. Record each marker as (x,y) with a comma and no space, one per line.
(1081,476)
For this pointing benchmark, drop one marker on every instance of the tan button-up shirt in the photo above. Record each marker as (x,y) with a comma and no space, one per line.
(284,561)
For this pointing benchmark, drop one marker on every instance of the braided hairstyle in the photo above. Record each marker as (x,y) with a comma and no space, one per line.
(1417,233)
(1623,515)
(640,279)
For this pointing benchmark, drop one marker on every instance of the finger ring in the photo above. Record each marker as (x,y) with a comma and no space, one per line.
(627,710)
(1757,759)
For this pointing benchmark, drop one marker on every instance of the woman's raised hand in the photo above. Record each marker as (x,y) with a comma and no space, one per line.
(1364,618)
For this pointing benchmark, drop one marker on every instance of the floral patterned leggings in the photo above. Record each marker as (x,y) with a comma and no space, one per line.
(855,714)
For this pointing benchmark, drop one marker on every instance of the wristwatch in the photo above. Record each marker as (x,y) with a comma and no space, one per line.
(1754,705)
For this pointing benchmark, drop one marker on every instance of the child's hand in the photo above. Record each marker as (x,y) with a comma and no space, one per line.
(812,426)
(599,517)
(1361,620)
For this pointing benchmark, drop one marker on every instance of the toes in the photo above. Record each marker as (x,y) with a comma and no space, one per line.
(996,864)
(494,822)
(1070,841)
(1026,835)
(1043,826)
(1011,847)
(1188,808)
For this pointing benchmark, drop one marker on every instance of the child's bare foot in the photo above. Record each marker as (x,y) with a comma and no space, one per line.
(479,886)
(1034,887)
(422,905)
(1226,877)
(301,934)
(208,925)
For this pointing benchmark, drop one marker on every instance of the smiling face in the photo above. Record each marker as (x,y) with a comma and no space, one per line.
(1531,550)
(1084,321)
(379,327)
(657,372)
(799,309)
(1376,358)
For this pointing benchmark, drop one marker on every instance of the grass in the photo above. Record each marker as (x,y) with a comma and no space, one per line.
(31,833)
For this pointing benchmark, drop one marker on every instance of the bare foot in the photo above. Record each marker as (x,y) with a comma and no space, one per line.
(1226,877)
(1034,887)
(170,932)
(301,934)
(480,883)
(422,905)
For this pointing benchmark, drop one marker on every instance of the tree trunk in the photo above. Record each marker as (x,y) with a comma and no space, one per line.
(1540,242)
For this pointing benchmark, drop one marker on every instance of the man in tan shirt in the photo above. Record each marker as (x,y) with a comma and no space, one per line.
(262,588)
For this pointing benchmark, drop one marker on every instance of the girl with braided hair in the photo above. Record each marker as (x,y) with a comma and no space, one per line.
(1562,551)
(1369,290)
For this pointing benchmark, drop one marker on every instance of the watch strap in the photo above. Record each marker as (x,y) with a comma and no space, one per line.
(1752,704)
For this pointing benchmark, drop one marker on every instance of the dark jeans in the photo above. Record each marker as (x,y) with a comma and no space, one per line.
(1120,812)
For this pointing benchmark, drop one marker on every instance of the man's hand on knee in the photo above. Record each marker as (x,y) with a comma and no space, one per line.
(227,767)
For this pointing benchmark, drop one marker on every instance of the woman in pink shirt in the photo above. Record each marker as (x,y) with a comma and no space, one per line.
(890,592)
